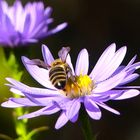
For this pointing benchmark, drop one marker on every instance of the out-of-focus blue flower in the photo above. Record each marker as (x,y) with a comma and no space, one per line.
(105,82)
(20,25)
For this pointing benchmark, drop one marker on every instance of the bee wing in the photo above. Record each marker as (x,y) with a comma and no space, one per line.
(63,53)
(38,62)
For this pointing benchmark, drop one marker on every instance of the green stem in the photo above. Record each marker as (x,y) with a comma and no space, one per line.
(20,125)
(36,130)
(86,127)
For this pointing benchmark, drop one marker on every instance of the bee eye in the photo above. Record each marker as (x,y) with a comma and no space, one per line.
(60,85)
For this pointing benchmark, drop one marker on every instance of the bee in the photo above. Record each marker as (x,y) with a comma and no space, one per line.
(59,70)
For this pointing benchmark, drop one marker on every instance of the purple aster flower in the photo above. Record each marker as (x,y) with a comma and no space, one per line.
(107,81)
(21,25)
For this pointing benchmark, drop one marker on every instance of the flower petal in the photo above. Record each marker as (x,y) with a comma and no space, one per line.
(39,74)
(22,102)
(129,78)
(31,90)
(128,94)
(111,94)
(62,120)
(31,101)
(11,104)
(16,91)
(44,111)
(109,69)
(27,24)
(48,57)
(132,61)
(74,119)
(57,28)
(82,63)
(109,83)
(68,60)
(134,66)
(73,108)
(108,108)
(104,60)
(92,109)
(33,114)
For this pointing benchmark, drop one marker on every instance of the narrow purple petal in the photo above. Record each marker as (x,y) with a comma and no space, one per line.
(104,60)
(11,104)
(74,119)
(48,11)
(48,57)
(94,114)
(31,90)
(36,101)
(29,101)
(128,87)
(109,83)
(111,94)
(103,97)
(51,110)
(23,101)
(8,24)
(37,32)
(62,120)
(62,103)
(73,108)
(16,91)
(33,114)
(41,75)
(44,111)
(57,28)
(108,108)
(27,24)
(129,78)
(134,66)
(118,70)
(109,69)
(128,94)
(132,61)
(82,63)
(29,40)
(92,109)
(68,60)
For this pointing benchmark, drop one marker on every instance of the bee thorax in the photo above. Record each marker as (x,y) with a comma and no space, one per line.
(82,86)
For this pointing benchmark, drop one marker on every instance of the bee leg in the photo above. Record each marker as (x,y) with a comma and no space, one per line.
(74,82)
(38,62)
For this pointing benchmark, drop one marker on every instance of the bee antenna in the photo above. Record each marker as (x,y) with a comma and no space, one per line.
(63,53)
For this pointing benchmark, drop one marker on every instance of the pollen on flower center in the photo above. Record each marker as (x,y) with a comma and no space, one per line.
(81,86)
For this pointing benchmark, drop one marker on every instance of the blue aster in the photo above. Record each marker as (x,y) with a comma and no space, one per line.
(107,81)
(25,24)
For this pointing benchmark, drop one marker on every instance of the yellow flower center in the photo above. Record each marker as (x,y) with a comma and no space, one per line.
(82,85)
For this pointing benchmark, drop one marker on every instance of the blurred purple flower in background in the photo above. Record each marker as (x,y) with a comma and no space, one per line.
(20,25)
(105,82)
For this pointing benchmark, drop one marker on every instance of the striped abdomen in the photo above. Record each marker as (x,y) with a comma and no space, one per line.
(58,77)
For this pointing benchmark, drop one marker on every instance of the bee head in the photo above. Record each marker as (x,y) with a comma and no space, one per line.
(57,62)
